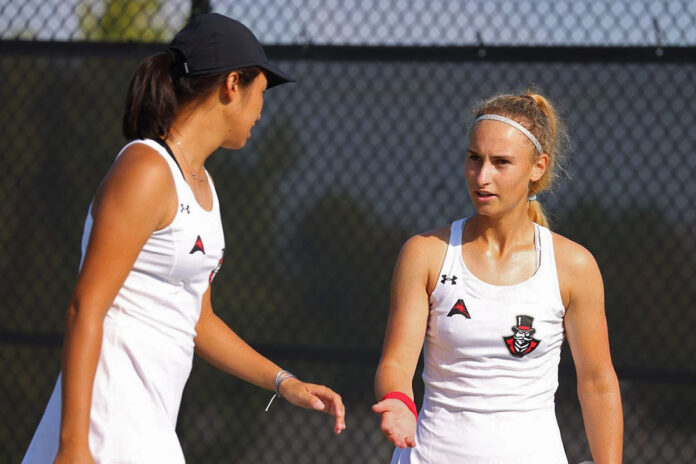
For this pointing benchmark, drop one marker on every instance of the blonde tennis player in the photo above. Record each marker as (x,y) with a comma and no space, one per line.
(491,298)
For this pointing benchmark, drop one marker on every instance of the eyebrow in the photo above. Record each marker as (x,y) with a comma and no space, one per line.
(495,156)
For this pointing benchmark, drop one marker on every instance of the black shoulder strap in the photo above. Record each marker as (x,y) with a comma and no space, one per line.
(171,153)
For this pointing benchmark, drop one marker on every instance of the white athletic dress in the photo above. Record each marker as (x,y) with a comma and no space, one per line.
(491,366)
(147,348)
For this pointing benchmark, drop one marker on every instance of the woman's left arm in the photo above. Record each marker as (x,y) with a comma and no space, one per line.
(224,349)
(586,329)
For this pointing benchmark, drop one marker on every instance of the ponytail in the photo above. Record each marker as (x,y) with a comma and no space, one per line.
(538,116)
(151,101)
(536,213)
(555,146)
(154,96)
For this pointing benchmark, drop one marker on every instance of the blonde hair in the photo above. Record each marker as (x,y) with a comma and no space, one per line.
(536,114)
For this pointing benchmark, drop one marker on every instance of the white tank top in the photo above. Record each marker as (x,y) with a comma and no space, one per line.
(491,365)
(148,342)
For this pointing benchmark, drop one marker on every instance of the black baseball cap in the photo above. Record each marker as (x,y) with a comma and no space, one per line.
(212,43)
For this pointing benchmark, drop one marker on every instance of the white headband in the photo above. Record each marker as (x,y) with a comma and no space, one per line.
(514,124)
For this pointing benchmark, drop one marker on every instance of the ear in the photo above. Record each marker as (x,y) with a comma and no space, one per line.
(539,167)
(231,88)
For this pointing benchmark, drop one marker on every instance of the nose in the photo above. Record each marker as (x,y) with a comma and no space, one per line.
(484,174)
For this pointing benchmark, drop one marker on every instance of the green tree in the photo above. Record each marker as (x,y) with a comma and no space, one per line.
(123,20)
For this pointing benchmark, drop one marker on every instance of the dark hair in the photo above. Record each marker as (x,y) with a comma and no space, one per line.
(154,96)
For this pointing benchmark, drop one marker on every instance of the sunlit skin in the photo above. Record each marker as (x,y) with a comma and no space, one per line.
(245,112)
(204,126)
(136,198)
(498,247)
(501,164)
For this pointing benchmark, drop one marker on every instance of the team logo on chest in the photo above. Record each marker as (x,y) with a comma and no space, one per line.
(198,246)
(459,308)
(214,272)
(522,341)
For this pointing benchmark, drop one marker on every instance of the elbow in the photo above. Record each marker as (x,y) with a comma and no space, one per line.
(80,316)
(72,313)
(603,382)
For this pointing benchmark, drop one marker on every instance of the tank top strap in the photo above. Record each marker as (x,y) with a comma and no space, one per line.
(182,189)
(548,268)
(163,149)
(213,191)
(544,247)
(537,246)
(454,249)
(455,239)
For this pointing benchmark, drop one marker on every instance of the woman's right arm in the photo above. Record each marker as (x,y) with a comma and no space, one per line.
(132,202)
(408,317)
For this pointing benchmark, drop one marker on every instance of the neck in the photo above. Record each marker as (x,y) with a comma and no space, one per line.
(195,137)
(499,233)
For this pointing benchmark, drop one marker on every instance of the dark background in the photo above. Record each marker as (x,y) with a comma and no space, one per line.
(365,150)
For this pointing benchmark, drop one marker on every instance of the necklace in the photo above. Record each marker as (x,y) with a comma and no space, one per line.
(196,178)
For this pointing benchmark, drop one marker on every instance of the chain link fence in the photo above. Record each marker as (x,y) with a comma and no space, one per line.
(365,150)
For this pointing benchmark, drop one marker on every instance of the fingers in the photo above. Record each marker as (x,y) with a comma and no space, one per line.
(399,440)
(320,398)
(340,424)
(316,403)
(380,407)
(397,425)
(333,405)
(339,411)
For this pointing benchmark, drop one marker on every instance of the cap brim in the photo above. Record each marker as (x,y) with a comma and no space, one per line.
(275,76)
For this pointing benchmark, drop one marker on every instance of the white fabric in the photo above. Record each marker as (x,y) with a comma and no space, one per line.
(147,347)
(482,404)
(515,124)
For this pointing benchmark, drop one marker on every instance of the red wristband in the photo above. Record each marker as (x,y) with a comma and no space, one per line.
(404,399)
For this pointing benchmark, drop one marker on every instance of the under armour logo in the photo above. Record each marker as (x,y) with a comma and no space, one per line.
(453,279)
(198,246)
(185,209)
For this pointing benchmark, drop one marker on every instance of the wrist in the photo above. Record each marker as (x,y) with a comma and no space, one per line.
(72,442)
(285,384)
(280,378)
(404,398)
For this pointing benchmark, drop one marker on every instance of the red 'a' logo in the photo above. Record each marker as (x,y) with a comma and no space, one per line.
(198,246)
(459,308)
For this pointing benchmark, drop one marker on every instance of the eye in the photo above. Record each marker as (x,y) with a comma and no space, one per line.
(474,157)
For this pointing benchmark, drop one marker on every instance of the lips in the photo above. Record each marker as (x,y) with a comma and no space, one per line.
(483,194)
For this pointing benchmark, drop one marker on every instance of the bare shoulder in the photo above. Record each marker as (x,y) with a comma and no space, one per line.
(142,161)
(422,255)
(577,269)
(571,256)
(428,241)
(140,178)
(425,247)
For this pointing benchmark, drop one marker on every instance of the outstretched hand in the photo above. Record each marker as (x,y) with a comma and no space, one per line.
(398,422)
(317,397)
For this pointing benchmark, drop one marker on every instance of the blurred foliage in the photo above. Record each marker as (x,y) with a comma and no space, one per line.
(123,20)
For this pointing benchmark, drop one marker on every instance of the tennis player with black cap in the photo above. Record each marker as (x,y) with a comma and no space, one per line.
(151,247)
(213,43)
